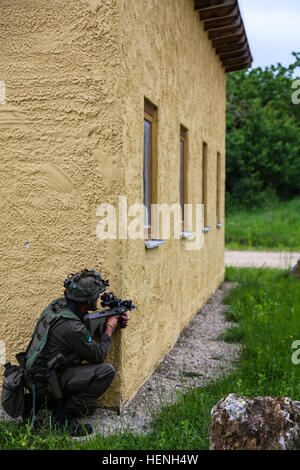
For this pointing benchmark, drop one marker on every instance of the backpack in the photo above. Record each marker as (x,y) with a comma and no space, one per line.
(56,310)
(12,398)
(17,378)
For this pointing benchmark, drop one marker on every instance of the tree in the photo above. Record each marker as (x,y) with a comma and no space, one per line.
(263,135)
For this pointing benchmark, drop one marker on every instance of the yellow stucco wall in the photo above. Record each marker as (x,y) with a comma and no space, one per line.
(169,60)
(71,137)
(60,148)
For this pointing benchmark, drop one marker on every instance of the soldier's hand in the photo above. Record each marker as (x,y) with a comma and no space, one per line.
(116,319)
(113,321)
(124,320)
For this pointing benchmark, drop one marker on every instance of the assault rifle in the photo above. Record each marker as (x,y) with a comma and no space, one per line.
(95,322)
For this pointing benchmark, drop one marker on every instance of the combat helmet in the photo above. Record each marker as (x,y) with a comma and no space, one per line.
(84,286)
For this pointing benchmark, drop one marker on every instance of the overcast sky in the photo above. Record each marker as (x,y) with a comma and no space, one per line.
(273,30)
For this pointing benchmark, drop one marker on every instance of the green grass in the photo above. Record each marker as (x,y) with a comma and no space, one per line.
(266,307)
(274,228)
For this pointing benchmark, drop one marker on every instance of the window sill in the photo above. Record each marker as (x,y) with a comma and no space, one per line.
(219,225)
(206,229)
(149,244)
(186,234)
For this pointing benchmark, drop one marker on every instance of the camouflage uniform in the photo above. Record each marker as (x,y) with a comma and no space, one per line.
(81,384)
(70,387)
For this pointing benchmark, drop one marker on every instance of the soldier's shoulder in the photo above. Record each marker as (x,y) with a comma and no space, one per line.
(68,326)
(74,323)
(73,331)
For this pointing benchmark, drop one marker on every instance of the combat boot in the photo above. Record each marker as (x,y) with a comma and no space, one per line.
(63,418)
(73,427)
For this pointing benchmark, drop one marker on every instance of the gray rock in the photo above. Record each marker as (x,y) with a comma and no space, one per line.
(261,423)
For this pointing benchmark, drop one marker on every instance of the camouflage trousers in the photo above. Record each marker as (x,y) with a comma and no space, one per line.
(81,386)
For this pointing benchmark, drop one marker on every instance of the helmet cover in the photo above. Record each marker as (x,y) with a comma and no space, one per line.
(84,286)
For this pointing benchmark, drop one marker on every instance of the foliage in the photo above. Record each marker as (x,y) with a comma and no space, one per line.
(263,135)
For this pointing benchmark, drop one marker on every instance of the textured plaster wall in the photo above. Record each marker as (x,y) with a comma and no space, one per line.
(71,137)
(60,151)
(169,60)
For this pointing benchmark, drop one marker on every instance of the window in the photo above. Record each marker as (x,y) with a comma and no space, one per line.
(182,177)
(149,166)
(218,190)
(204,183)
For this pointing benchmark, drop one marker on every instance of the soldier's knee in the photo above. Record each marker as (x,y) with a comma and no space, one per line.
(104,377)
(110,370)
(106,370)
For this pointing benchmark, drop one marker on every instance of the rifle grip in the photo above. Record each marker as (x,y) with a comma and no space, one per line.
(121,322)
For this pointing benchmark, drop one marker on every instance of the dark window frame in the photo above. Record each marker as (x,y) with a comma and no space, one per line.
(204,182)
(218,188)
(149,167)
(183,172)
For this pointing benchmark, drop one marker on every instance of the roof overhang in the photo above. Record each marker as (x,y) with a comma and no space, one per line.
(223,21)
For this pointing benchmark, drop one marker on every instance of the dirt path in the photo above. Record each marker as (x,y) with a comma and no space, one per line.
(272,259)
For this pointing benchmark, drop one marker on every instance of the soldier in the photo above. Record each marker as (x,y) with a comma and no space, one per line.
(59,379)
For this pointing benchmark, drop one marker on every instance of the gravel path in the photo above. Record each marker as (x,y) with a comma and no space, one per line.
(197,356)
(272,259)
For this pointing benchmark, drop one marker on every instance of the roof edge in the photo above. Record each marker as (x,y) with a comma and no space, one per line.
(223,21)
